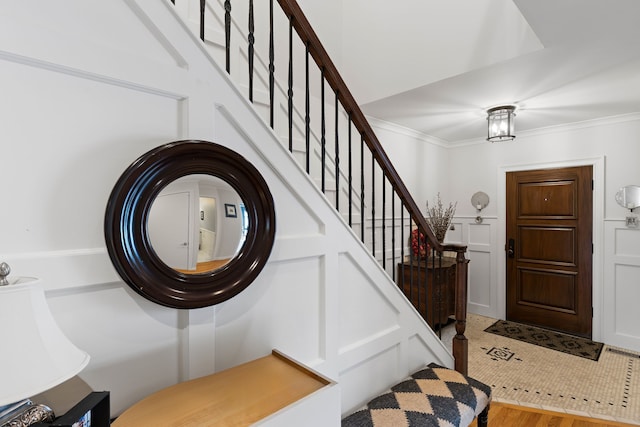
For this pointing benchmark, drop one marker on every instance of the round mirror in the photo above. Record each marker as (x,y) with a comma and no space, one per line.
(190,224)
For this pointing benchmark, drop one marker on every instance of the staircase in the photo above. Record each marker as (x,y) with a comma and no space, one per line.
(325,130)
(280,64)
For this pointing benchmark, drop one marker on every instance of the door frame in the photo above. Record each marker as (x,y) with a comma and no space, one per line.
(597,164)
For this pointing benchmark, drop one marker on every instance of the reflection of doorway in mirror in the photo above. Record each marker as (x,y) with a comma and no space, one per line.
(244,217)
(208,219)
(168,226)
(245,222)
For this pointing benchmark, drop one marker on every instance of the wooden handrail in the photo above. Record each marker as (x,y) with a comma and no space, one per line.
(332,76)
(323,60)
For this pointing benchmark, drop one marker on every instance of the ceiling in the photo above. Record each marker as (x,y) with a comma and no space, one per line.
(584,65)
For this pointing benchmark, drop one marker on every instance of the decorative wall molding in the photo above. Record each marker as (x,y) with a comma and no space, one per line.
(622,290)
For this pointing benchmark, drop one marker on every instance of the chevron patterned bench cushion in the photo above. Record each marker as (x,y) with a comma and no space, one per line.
(434,396)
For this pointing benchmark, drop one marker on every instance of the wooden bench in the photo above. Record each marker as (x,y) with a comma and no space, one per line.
(433,396)
(254,393)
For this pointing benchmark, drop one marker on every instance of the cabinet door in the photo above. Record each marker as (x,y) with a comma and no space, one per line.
(430,290)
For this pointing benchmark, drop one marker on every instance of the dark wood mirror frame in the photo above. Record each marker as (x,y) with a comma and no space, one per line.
(127,238)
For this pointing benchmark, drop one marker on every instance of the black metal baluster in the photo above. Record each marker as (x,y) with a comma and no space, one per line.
(447,297)
(350,176)
(337,159)
(438,295)
(203,3)
(401,270)
(419,282)
(323,139)
(402,236)
(251,40)
(307,114)
(290,92)
(411,261)
(383,219)
(227,31)
(373,205)
(271,65)
(362,188)
(393,234)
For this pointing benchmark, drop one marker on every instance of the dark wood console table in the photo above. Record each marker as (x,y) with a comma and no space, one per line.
(434,295)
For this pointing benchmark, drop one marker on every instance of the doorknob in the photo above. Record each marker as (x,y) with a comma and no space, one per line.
(511,251)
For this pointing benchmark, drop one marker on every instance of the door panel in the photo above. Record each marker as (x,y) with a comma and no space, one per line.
(548,245)
(551,290)
(549,228)
(547,200)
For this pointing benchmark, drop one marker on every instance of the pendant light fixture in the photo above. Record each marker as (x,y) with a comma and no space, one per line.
(500,123)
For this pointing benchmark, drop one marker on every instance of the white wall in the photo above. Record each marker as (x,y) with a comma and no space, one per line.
(90,87)
(609,145)
(421,162)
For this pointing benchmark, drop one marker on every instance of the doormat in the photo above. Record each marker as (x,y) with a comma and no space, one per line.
(569,344)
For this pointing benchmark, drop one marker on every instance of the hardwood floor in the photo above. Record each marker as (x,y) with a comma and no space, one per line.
(507,415)
(204,267)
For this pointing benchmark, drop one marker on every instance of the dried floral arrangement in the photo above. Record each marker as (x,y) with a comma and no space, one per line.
(439,218)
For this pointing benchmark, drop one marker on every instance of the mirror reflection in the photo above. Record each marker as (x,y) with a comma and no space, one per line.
(197,224)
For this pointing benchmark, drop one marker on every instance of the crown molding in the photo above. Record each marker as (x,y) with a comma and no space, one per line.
(393,127)
(568,127)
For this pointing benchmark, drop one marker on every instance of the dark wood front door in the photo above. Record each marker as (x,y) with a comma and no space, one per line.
(549,248)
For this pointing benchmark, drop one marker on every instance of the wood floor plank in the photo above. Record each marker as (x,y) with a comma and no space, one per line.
(548,420)
(508,415)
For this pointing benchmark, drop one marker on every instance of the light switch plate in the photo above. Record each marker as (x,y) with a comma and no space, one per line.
(631,222)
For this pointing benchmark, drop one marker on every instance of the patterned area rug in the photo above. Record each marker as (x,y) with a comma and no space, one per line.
(529,375)
(544,338)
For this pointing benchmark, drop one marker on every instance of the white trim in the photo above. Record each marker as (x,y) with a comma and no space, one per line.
(598,165)
(402,130)
(548,130)
(602,121)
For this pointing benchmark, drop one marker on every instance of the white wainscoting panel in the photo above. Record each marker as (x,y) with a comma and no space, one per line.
(367,374)
(480,239)
(480,233)
(250,327)
(480,289)
(621,285)
(357,296)
(626,295)
(133,343)
(626,242)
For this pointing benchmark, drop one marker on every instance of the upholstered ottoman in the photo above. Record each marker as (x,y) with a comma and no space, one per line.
(433,396)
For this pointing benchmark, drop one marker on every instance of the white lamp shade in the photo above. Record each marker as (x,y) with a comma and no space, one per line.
(35,355)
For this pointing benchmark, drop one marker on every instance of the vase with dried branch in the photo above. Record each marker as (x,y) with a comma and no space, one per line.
(439,218)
